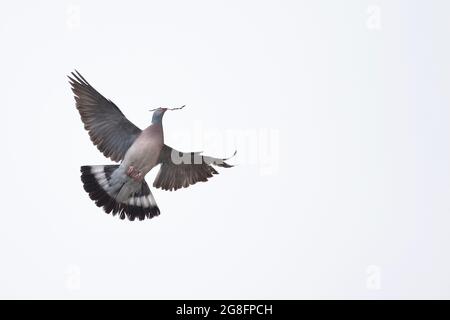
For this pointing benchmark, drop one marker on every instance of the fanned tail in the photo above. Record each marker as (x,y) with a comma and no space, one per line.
(104,182)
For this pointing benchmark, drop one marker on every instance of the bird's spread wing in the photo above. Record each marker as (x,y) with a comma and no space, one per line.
(180,169)
(108,127)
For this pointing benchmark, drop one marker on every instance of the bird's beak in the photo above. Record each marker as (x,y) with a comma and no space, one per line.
(155,109)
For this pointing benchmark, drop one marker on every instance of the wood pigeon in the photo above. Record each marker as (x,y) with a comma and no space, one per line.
(121,189)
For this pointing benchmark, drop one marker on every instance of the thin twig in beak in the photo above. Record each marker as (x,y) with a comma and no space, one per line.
(169,108)
(177,108)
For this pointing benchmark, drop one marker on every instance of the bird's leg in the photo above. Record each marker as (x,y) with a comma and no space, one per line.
(135,174)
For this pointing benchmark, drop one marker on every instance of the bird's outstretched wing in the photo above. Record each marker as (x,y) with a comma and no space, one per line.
(180,169)
(107,126)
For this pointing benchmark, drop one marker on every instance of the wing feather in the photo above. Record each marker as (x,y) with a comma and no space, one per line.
(180,169)
(107,126)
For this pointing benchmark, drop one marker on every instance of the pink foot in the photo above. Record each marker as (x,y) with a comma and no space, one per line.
(132,172)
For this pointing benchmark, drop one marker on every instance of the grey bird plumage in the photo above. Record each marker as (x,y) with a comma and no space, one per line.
(121,189)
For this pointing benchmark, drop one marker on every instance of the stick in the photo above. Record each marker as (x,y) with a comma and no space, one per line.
(169,108)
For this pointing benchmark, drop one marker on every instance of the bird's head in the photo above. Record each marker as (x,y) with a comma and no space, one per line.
(158,113)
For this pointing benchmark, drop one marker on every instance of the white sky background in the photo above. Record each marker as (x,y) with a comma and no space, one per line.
(352,201)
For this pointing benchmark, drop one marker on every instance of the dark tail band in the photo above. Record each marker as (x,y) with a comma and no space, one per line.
(97,183)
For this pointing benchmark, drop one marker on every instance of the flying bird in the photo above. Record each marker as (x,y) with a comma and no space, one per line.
(121,188)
